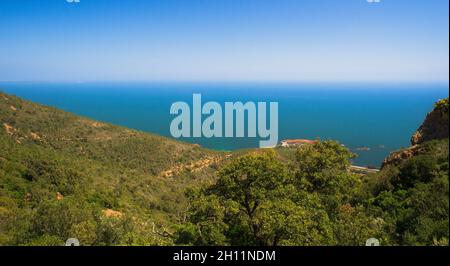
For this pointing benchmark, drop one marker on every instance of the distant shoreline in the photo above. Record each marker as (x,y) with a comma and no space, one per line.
(366,118)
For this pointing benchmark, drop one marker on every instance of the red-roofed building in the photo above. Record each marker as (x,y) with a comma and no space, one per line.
(296,142)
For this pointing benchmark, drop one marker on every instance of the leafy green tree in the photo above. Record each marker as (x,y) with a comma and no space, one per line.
(352,227)
(412,197)
(323,167)
(56,218)
(85,232)
(255,203)
(206,224)
(46,240)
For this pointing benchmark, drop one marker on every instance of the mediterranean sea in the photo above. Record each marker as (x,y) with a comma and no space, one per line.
(372,120)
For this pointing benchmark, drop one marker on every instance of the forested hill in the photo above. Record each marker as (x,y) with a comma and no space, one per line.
(62,174)
(29,123)
(308,196)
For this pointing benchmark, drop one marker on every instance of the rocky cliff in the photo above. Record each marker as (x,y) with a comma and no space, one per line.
(434,127)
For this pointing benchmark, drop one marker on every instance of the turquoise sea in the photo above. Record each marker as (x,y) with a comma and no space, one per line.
(372,120)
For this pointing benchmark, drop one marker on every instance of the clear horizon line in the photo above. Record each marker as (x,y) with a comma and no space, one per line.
(236,81)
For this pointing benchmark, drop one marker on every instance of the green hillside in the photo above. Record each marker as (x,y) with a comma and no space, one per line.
(310,196)
(64,176)
(55,163)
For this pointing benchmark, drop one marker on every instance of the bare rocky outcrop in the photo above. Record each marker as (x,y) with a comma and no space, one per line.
(59,196)
(397,157)
(434,127)
(112,213)
(9,129)
(195,166)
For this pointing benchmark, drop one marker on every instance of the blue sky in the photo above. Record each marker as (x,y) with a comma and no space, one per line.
(224,40)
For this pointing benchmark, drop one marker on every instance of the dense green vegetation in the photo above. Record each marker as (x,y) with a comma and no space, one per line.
(94,167)
(258,200)
(66,176)
(413,197)
(307,196)
(442,106)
